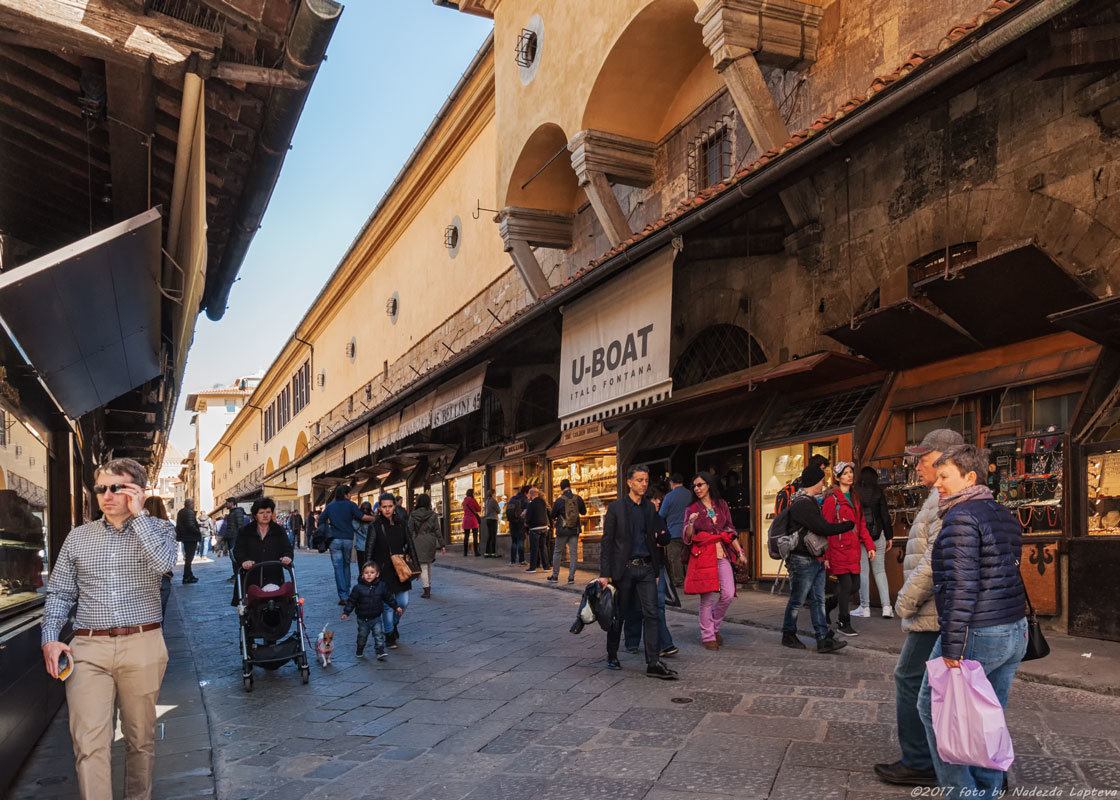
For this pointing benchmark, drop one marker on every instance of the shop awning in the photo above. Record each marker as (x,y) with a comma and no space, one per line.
(827,414)
(696,424)
(614,354)
(1098,322)
(356,446)
(903,335)
(459,396)
(415,418)
(88,315)
(384,432)
(475,460)
(1006,294)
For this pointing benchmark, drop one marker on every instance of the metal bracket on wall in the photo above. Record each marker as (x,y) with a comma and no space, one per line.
(479,209)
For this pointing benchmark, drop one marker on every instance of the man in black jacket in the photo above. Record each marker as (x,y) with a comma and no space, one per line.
(806,571)
(630,559)
(566,513)
(188,532)
(536,520)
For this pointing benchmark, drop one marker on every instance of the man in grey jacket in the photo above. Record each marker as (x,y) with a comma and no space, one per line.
(915,604)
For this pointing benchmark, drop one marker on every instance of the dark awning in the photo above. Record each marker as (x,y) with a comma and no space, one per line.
(1098,322)
(1006,294)
(903,335)
(88,315)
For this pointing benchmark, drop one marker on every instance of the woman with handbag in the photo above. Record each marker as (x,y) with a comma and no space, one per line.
(389,547)
(713,544)
(426,533)
(981,602)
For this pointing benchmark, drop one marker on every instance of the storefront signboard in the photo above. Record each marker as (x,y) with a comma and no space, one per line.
(582,433)
(515,448)
(459,397)
(614,356)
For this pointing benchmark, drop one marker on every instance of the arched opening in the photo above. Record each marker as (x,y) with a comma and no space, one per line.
(284,458)
(539,404)
(301,444)
(555,188)
(659,63)
(717,350)
(269,467)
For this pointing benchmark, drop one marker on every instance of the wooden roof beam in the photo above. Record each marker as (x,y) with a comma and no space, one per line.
(27,121)
(114,31)
(131,113)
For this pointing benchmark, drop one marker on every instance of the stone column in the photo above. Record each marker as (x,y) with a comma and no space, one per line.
(601,159)
(522,229)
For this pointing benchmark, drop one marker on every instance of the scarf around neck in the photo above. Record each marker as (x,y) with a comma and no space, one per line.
(978,492)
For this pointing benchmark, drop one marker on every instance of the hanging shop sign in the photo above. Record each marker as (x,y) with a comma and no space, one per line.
(520,447)
(581,433)
(459,397)
(614,356)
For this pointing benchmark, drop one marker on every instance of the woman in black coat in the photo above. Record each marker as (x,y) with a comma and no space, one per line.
(388,537)
(263,539)
(877,515)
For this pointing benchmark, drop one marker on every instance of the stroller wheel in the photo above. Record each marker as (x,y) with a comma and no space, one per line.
(305,674)
(247,683)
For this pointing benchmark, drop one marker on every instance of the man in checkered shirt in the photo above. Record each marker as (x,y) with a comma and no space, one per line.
(111,569)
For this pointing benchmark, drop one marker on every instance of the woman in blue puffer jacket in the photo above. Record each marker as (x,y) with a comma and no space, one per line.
(981,604)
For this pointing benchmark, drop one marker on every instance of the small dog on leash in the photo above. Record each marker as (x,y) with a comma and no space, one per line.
(324,645)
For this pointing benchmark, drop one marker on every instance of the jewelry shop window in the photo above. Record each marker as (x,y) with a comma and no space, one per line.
(23,520)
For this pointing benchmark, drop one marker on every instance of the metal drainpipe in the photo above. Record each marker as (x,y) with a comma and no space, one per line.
(306,48)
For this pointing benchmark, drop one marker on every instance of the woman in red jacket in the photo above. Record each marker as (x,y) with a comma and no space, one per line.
(713,546)
(843,553)
(471,510)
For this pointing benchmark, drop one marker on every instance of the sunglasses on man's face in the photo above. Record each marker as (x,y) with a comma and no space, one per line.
(115,488)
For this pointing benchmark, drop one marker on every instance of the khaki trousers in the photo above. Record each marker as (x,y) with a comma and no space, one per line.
(125,671)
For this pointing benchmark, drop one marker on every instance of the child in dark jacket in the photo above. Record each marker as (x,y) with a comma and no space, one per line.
(368,598)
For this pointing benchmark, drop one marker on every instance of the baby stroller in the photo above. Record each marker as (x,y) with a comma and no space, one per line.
(266,619)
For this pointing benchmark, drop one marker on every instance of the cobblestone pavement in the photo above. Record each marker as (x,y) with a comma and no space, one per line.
(490,697)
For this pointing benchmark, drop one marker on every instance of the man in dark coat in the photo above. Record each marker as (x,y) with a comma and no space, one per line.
(188,532)
(295,525)
(630,559)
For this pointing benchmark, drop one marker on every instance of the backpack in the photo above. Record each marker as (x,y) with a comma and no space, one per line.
(513,510)
(784,499)
(782,539)
(571,513)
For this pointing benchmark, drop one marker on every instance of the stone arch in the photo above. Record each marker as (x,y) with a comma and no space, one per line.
(284,458)
(555,188)
(269,467)
(539,404)
(717,350)
(301,445)
(658,57)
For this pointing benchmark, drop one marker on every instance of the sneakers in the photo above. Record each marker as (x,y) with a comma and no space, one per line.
(552,579)
(382,655)
(830,645)
(862,612)
(791,640)
(847,629)
(633,650)
(888,612)
(901,775)
(571,580)
(659,670)
(670,651)
(612,663)
(361,652)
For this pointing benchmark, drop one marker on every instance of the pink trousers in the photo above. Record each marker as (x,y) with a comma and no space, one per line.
(712,610)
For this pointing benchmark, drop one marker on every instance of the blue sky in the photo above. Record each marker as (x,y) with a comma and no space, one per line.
(390,66)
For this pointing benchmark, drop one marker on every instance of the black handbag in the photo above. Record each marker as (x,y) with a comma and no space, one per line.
(1037,647)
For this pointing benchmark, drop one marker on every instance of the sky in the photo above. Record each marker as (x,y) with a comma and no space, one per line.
(390,66)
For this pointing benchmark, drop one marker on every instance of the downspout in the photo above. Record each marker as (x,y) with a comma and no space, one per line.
(305,50)
(188,117)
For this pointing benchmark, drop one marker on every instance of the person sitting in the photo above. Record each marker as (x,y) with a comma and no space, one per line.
(262,540)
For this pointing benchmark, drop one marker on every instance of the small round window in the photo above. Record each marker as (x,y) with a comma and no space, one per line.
(453,237)
(393,307)
(529,48)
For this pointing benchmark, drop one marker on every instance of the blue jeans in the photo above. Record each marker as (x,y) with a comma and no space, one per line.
(806,580)
(908,674)
(632,627)
(340,558)
(390,615)
(516,545)
(204,545)
(376,626)
(999,649)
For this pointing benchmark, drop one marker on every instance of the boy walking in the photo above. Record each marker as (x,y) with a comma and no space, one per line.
(368,598)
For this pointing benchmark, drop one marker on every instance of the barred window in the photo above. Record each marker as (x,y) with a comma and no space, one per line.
(717,350)
(710,157)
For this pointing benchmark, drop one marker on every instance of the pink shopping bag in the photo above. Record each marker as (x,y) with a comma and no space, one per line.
(967,717)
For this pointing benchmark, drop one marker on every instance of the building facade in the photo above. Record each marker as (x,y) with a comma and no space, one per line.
(212,411)
(730,235)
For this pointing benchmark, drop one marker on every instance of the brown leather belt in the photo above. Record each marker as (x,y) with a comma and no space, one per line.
(149,626)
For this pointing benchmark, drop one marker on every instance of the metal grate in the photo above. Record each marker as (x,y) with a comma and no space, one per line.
(450,237)
(717,350)
(709,156)
(819,416)
(526,51)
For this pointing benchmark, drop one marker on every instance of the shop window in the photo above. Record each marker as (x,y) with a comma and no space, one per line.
(1102,470)
(826,414)
(23,520)
(717,350)
(594,477)
(539,404)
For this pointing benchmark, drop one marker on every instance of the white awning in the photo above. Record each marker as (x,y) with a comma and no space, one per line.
(88,315)
(614,356)
(357,445)
(384,432)
(459,396)
(415,418)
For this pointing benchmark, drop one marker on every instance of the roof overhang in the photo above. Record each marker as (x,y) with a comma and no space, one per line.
(903,335)
(88,315)
(1098,322)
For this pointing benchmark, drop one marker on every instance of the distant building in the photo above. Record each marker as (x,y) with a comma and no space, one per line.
(214,409)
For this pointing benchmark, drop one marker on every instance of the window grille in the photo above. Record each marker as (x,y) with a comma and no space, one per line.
(450,237)
(717,350)
(525,52)
(710,156)
(825,414)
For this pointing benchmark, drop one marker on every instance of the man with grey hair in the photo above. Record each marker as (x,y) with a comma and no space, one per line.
(111,569)
(915,605)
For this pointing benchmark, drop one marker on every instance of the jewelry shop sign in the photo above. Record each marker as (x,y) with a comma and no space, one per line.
(614,356)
